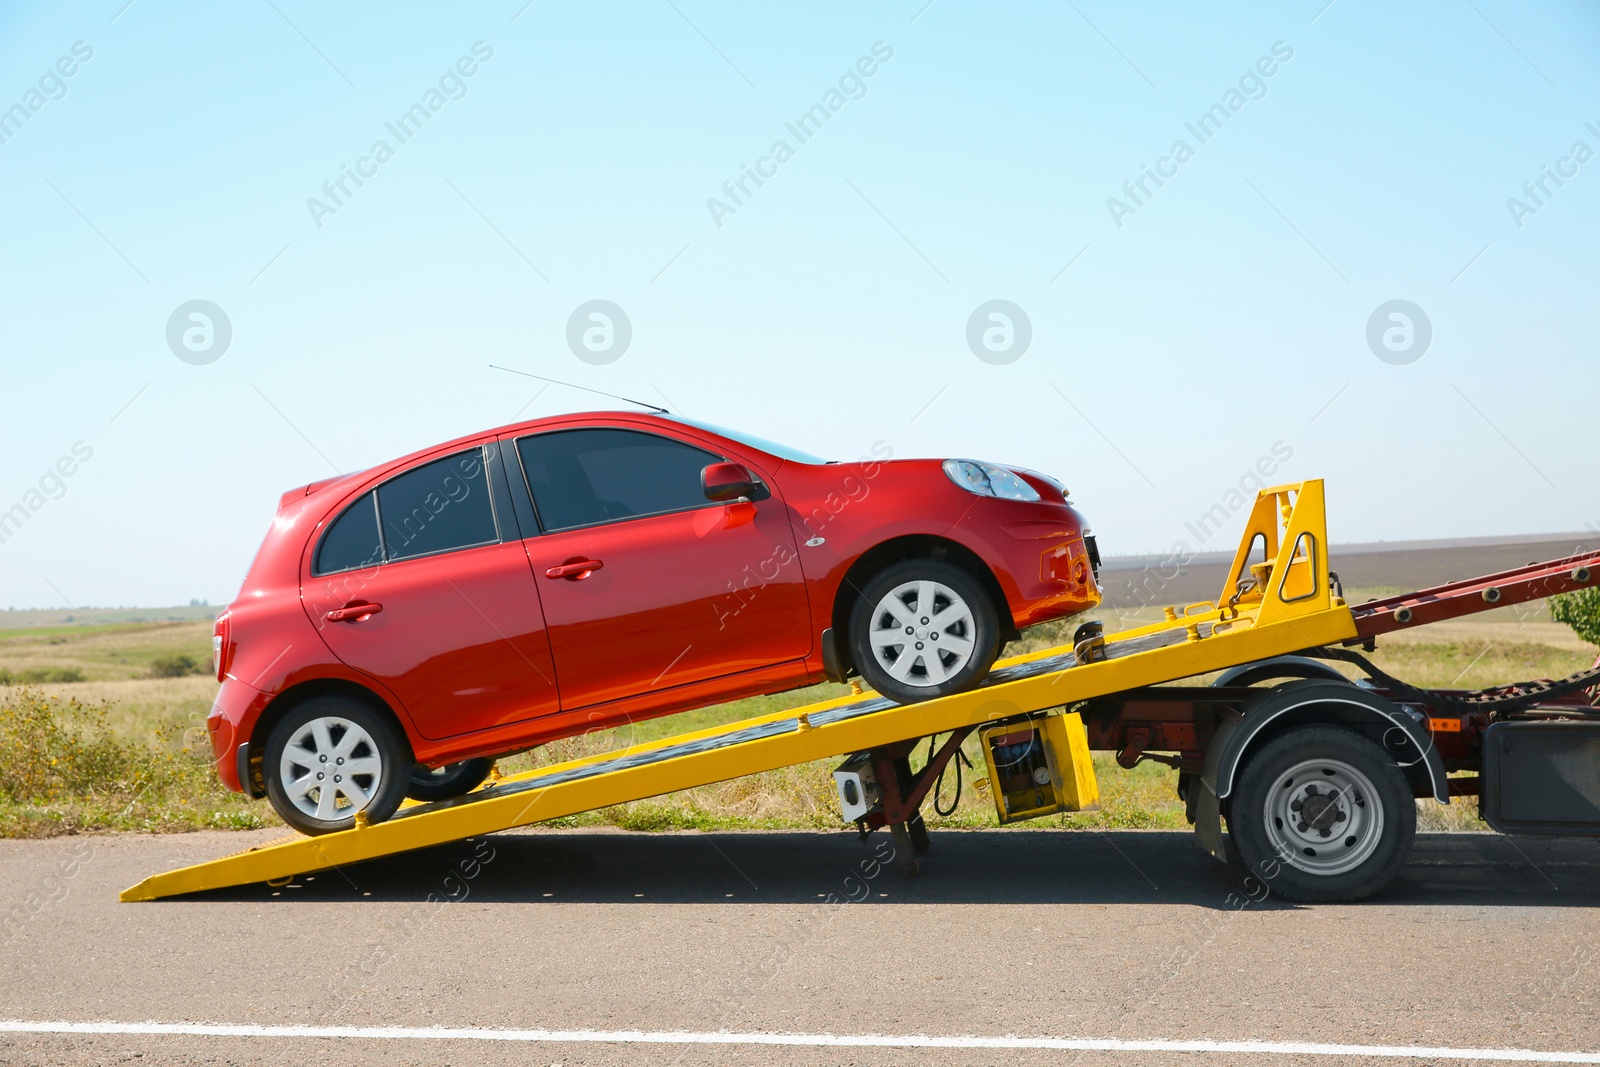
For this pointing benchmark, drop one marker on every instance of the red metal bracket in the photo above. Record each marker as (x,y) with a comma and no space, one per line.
(1455,599)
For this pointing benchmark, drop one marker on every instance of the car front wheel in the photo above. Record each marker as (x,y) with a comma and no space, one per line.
(332,757)
(923,628)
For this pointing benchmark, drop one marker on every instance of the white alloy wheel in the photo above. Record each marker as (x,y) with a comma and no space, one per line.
(922,633)
(331,768)
(1323,817)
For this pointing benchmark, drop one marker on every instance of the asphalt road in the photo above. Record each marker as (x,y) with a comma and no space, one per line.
(1122,938)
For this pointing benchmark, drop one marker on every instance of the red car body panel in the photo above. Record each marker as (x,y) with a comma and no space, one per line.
(650,619)
(479,651)
(461,636)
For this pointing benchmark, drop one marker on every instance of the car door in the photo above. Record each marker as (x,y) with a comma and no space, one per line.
(645,583)
(422,584)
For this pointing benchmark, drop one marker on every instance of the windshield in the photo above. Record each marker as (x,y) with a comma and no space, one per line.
(770,447)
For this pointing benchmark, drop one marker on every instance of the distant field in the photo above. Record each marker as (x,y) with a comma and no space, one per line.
(169,783)
(1373,570)
(30,618)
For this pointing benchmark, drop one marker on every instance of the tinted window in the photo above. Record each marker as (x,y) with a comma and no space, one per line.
(437,507)
(583,477)
(352,540)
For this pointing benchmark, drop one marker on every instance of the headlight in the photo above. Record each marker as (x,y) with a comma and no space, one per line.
(986,479)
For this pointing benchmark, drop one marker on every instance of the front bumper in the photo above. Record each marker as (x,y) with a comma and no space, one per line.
(1052,566)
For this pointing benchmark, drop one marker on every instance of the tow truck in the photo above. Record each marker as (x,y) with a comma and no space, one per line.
(1287,765)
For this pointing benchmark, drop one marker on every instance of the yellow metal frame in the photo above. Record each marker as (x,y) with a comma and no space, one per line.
(1270,619)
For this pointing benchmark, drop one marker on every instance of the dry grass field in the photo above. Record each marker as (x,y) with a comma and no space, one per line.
(150,731)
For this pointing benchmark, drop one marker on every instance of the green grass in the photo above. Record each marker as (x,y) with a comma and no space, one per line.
(64,768)
(131,751)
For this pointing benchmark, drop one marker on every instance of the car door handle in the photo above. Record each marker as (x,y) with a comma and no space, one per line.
(353,612)
(575,570)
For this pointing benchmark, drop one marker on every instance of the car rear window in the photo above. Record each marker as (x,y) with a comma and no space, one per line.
(352,541)
(585,477)
(437,507)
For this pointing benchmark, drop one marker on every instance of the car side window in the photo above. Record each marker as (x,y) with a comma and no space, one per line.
(352,540)
(437,507)
(585,477)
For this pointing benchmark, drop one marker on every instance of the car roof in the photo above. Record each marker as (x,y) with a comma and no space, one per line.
(643,419)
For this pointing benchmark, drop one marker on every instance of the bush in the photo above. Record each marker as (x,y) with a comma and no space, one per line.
(62,769)
(49,748)
(40,675)
(174,667)
(1579,610)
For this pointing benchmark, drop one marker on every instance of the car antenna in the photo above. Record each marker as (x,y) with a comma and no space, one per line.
(585,388)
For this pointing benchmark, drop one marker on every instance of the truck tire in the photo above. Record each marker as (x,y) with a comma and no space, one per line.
(1321,814)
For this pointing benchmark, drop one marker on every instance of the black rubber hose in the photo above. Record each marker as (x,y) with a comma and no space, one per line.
(958,759)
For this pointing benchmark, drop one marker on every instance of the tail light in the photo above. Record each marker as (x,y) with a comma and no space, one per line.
(219,647)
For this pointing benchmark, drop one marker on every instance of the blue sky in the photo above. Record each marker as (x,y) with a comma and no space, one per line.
(1226,315)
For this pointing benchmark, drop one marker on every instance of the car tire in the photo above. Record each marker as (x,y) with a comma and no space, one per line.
(1361,823)
(896,627)
(360,753)
(451,780)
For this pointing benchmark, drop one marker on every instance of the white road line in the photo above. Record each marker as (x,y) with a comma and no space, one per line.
(682,1037)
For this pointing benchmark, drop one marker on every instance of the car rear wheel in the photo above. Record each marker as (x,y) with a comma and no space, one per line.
(451,780)
(332,757)
(923,628)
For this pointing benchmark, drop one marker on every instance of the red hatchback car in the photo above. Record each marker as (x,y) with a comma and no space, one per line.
(402,627)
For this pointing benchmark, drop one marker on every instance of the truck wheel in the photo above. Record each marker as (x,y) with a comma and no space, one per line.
(451,780)
(331,757)
(1321,814)
(923,628)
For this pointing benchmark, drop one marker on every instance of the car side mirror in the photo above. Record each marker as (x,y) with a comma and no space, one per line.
(723,482)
